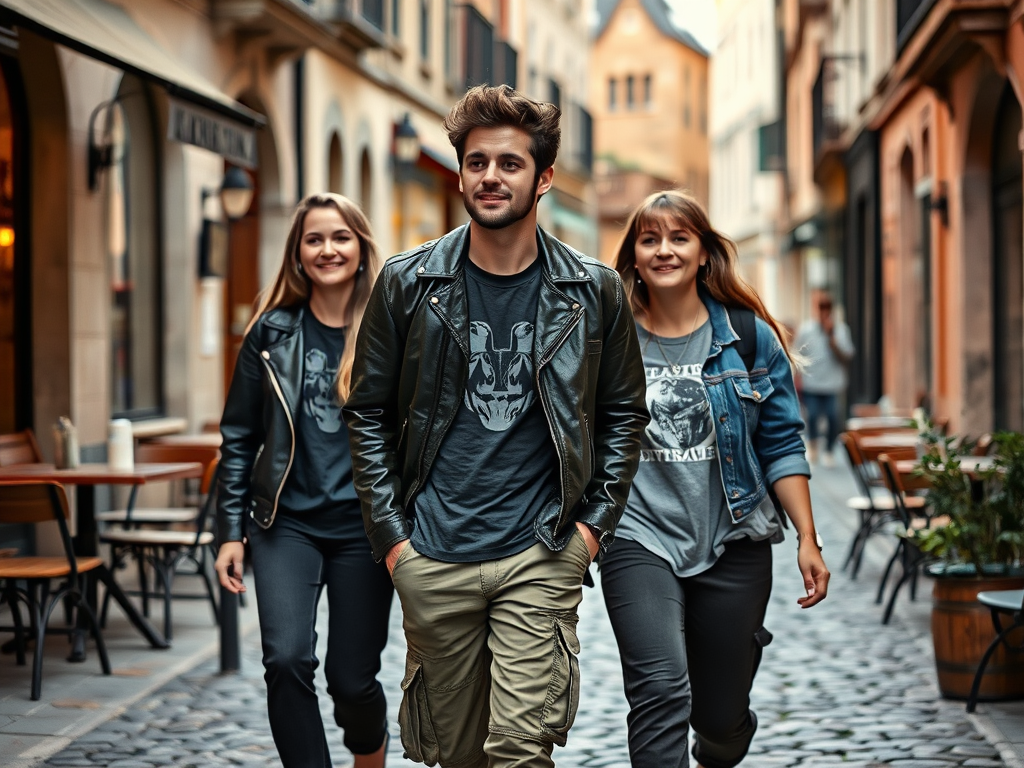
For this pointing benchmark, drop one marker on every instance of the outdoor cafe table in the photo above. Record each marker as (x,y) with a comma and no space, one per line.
(878,422)
(86,541)
(887,442)
(971,465)
(202,440)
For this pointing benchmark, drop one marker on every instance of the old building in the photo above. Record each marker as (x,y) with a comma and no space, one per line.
(125,286)
(649,98)
(746,159)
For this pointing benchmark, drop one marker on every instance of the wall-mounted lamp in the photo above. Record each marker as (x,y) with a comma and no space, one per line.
(101,155)
(236,192)
(407,144)
(940,203)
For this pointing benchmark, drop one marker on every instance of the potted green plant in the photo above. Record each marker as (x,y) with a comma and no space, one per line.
(977,547)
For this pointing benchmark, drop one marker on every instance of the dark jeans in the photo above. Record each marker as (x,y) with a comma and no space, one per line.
(291,569)
(689,650)
(819,406)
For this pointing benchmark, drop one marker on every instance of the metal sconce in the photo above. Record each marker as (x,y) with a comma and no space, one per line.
(407,145)
(101,155)
(236,192)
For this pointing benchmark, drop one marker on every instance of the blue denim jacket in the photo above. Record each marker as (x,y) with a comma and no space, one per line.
(757,416)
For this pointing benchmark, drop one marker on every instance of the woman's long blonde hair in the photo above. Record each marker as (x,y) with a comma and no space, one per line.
(292,287)
(719,277)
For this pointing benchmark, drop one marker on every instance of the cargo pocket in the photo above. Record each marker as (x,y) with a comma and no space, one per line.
(417,728)
(563,696)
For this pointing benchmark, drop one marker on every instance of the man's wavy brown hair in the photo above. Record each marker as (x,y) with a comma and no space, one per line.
(486,106)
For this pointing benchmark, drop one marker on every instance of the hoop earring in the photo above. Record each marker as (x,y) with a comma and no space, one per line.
(298,267)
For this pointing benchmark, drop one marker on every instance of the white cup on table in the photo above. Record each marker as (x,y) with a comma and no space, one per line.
(120,446)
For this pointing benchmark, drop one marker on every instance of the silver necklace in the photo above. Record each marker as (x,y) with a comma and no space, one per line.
(677,368)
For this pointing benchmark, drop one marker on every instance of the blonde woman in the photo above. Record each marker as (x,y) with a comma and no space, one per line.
(688,576)
(286,488)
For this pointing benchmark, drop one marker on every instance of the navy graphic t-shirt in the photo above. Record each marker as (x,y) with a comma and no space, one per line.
(497,466)
(318,495)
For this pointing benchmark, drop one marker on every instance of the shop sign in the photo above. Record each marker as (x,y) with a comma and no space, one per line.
(200,128)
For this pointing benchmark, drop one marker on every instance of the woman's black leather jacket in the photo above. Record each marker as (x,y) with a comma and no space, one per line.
(258,425)
(409,378)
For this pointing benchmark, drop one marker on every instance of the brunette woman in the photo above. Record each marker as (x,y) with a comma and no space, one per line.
(688,577)
(286,488)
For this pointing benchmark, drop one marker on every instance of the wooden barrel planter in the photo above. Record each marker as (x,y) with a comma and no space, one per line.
(962,630)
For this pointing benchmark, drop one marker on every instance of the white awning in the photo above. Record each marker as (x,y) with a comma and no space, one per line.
(106,32)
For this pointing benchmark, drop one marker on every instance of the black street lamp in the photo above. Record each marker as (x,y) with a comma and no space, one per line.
(406,152)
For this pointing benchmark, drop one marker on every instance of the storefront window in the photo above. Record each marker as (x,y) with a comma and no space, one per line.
(8,314)
(133,236)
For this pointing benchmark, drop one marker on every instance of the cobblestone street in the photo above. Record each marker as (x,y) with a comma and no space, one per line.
(835,688)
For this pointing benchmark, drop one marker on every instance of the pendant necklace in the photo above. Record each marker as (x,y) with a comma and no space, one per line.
(677,368)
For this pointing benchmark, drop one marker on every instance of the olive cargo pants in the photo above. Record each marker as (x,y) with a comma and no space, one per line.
(492,677)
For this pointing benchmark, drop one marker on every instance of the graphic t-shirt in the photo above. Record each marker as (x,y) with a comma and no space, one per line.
(677,507)
(497,467)
(318,495)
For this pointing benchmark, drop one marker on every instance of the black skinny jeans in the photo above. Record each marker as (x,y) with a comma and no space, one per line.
(689,650)
(291,569)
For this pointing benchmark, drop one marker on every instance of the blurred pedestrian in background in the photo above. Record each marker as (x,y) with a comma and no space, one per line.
(688,576)
(286,487)
(827,346)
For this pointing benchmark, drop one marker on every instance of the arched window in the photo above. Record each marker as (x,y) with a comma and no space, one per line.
(133,254)
(335,166)
(366,184)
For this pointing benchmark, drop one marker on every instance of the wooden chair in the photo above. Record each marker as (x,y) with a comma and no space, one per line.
(19,448)
(167,550)
(874,506)
(910,557)
(162,454)
(1009,602)
(30,579)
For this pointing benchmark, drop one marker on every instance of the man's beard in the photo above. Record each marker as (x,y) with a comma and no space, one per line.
(506,218)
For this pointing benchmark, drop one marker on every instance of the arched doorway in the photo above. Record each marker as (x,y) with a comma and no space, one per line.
(1007,266)
(255,242)
(335,166)
(15,312)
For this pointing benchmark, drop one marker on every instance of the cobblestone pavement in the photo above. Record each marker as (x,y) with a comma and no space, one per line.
(836,688)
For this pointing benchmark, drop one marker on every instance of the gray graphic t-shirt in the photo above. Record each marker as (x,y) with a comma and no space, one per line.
(497,467)
(677,507)
(318,494)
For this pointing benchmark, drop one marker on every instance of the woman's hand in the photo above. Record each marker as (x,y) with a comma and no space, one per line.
(795,496)
(814,572)
(229,566)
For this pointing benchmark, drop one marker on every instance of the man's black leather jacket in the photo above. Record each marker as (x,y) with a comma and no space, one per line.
(409,377)
(258,425)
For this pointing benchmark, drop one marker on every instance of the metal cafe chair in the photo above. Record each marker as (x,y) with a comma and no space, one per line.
(874,505)
(29,580)
(907,553)
(166,550)
(1002,602)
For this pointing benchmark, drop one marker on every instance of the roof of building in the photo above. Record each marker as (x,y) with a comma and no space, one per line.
(659,13)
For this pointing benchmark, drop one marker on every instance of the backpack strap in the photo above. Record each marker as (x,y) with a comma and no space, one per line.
(745,325)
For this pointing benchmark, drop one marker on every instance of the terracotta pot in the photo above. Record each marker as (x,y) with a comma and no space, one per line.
(962,630)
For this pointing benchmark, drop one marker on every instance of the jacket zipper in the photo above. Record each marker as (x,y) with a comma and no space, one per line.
(291,427)
(417,484)
(545,407)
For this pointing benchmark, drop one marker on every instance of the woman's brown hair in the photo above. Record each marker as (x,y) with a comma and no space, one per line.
(292,287)
(719,276)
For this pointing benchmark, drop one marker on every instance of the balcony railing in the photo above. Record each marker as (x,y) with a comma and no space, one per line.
(909,15)
(360,23)
(480,56)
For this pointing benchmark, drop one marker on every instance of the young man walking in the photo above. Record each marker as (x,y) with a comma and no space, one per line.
(496,408)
